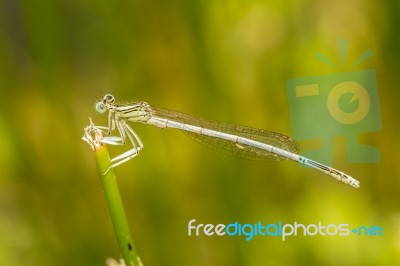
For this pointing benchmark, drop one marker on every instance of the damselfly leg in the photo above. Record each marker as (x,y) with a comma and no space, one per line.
(94,135)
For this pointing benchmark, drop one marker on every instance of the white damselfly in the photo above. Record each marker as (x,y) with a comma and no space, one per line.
(242,141)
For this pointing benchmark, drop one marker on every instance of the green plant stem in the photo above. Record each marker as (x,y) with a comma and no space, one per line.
(115,206)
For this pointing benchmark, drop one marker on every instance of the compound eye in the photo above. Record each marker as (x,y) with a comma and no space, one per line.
(101,107)
(108,98)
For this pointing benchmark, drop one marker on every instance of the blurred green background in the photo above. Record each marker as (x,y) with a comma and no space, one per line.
(222,60)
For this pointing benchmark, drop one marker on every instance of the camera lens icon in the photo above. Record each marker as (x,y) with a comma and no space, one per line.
(345,104)
(359,94)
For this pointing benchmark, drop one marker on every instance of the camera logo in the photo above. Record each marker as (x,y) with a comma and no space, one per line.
(338,104)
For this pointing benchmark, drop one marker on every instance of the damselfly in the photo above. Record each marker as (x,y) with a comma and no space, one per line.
(242,141)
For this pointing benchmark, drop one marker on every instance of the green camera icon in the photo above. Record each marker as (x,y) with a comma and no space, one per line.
(339,104)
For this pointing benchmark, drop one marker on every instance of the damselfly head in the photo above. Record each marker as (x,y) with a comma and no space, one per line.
(102,106)
(108,98)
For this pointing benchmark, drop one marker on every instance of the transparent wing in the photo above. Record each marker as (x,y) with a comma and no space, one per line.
(228,147)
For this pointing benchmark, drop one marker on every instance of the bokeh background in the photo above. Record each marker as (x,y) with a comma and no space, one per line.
(222,60)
